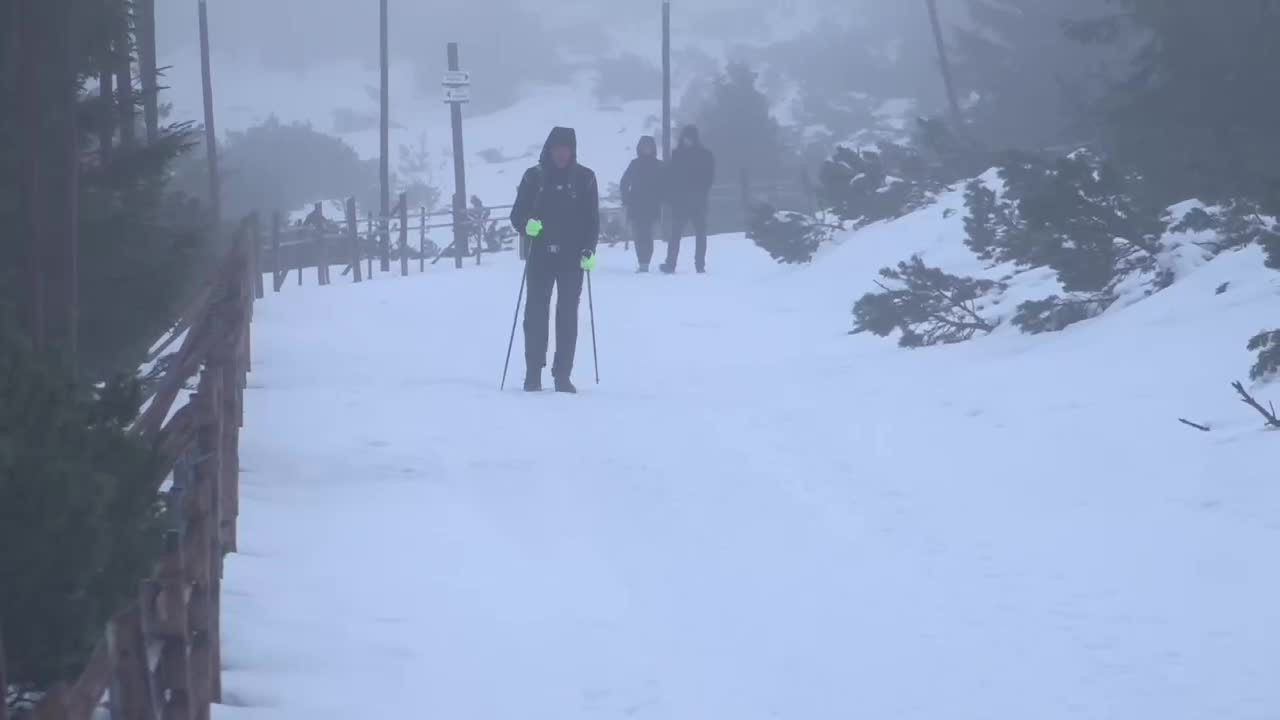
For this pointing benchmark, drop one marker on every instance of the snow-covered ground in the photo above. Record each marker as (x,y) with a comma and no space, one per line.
(754,515)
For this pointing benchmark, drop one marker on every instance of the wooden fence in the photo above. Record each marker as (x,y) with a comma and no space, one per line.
(365,245)
(160,657)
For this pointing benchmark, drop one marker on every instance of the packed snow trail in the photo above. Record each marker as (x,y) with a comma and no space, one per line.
(753,516)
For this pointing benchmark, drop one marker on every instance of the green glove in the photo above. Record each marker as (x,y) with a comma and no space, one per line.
(588,262)
(533,228)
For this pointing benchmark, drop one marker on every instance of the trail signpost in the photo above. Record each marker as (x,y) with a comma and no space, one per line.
(457,90)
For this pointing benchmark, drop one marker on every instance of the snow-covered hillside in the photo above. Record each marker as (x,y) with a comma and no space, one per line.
(499,146)
(755,515)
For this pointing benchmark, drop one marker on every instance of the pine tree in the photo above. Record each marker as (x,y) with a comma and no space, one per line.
(739,127)
(1032,83)
(1194,114)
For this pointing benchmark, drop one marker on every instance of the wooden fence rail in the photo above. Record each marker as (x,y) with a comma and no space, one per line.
(350,240)
(160,657)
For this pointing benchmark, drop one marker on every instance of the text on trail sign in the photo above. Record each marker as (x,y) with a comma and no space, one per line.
(456,78)
(457,95)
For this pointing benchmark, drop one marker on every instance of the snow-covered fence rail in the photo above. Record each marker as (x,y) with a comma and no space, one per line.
(160,657)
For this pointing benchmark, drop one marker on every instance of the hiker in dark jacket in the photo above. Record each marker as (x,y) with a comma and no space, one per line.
(557,212)
(642,192)
(690,174)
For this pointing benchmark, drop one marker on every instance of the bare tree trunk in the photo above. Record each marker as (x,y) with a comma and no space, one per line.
(4,678)
(210,132)
(944,63)
(26,48)
(106,90)
(63,302)
(124,78)
(145,19)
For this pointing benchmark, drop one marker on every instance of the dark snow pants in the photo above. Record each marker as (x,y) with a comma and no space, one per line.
(681,217)
(642,234)
(562,273)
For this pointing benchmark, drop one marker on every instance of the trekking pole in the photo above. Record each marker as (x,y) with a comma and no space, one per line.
(591,306)
(524,276)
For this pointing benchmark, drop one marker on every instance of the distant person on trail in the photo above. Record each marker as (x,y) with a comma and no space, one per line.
(642,189)
(691,173)
(557,211)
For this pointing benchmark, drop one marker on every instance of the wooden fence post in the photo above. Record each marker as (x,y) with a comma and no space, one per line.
(202,538)
(369,274)
(255,259)
(277,277)
(422,241)
(301,261)
(169,594)
(131,695)
(353,238)
(746,196)
(404,234)
(321,261)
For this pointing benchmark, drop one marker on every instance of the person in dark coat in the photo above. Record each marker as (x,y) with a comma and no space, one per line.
(557,212)
(691,173)
(642,193)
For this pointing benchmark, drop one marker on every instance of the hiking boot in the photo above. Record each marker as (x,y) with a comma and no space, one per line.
(533,381)
(564,386)
(642,269)
(667,268)
(702,270)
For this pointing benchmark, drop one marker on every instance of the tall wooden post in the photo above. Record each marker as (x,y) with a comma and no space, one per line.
(459,170)
(944,64)
(384,169)
(666,80)
(210,132)
(148,70)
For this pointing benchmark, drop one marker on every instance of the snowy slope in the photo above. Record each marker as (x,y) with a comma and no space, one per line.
(755,515)
(248,95)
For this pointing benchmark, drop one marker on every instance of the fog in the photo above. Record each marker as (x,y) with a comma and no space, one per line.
(524,39)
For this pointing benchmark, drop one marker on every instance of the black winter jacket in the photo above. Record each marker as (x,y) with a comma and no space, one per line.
(692,173)
(566,200)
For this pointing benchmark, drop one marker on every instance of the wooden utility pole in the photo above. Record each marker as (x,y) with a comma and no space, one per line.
(148,72)
(210,132)
(944,64)
(666,80)
(384,168)
(459,170)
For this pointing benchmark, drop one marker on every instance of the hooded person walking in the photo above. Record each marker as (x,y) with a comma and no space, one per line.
(642,192)
(691,173)
(557,212)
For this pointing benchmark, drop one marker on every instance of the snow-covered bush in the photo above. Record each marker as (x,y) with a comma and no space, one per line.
(862,186)
(866,186)
(928,306)
(1078,216)
(1267,346)
(788,237)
